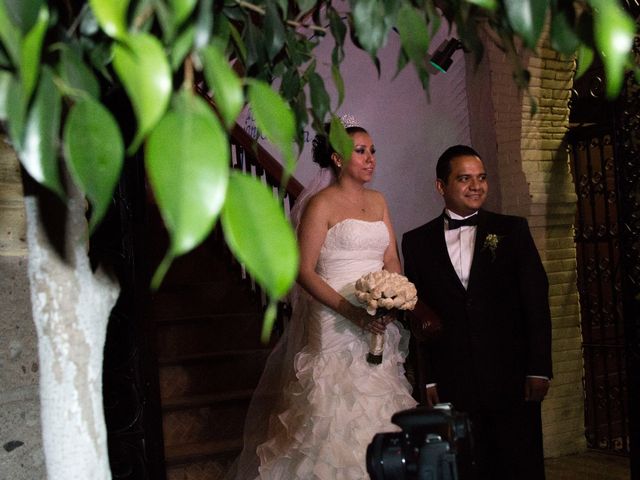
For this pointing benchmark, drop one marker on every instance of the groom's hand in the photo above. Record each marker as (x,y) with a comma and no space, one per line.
(432,396)
(535,389)
(425,323)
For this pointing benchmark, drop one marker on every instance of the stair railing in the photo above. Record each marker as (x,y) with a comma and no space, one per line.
(250,157)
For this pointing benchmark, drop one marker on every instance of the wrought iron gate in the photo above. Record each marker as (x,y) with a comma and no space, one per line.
(604,145)
(600,286)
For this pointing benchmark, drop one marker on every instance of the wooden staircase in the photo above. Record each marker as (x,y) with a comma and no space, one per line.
(207,321)
(207,317)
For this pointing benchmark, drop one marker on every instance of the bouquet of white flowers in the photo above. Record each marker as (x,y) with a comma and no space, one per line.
(384,290)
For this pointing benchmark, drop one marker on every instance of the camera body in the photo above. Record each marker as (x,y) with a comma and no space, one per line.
(434,444)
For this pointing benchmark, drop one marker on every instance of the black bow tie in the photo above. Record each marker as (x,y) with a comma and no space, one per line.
(453,223)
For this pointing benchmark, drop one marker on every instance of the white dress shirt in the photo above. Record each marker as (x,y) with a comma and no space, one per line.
(460,244)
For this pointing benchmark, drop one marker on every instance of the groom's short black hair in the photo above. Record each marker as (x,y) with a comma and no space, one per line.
(443,167)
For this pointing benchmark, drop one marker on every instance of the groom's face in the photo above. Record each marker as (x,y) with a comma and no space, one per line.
(466,188)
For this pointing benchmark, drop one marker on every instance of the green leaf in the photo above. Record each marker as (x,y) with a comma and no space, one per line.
(527,18)
(584,60)
(255,43)
(614,32)
(340,140)
(488,4)
(144,70)
(403,61)
(112,16)
(187,160)
(320,101)
(283,4)
(94,151)
(337,26)
(414,38)
(221,32)
(5,85)
(241,48)
(10,35)
(226,86)
(76,75)
(338,82)
(5,61)
(16,111)
(371,24)
(259,234)
(182,46)
(39,154)
(31,51)
(274,32)
(564,38)
(291,83)
(181,10)
(203,24)
(274,119)
(23,13)
(305,5)
(270,315)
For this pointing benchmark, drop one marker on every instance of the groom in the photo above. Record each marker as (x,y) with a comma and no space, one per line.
(481,274)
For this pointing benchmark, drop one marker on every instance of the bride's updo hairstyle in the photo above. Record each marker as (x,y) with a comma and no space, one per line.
(321,147)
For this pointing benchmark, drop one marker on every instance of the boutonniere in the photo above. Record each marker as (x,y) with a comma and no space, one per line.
(491,242)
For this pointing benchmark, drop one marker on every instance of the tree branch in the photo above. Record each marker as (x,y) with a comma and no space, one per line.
(291,23)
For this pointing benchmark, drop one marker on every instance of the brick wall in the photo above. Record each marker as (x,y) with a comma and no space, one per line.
(535,182)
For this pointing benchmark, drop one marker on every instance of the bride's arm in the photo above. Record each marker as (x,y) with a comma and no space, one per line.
(391,258)
(311,235)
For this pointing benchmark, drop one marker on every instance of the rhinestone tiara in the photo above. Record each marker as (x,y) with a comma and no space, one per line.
(349,121)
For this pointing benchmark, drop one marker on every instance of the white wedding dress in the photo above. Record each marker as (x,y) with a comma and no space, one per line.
(338,401)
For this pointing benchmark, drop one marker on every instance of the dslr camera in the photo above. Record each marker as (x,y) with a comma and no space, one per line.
(434,444)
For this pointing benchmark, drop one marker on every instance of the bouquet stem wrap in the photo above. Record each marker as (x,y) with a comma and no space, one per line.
(376,347)
(382,292)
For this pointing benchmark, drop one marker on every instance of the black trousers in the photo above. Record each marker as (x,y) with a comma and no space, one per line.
(508,443)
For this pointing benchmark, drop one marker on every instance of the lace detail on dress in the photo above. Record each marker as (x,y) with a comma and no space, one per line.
(354,234)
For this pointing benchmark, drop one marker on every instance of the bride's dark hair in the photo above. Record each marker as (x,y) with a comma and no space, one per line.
(322,149)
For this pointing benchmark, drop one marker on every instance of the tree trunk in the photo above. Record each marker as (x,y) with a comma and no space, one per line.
(71,307)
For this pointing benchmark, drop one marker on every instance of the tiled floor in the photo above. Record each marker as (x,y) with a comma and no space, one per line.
(588,466)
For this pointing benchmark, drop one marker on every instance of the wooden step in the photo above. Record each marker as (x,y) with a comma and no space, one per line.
(180,454)
(205,334)
(201,469)
(204,418)
(192,401)
(212,373)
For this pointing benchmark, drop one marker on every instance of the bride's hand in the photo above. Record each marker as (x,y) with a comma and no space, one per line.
(361,318)
(388,318)
(375,325)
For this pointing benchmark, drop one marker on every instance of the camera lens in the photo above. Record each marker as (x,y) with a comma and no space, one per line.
(385,459)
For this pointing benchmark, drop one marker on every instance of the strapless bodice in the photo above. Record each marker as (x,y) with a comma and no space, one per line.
(352,248)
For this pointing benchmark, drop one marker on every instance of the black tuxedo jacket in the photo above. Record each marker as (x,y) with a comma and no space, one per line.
(498,330)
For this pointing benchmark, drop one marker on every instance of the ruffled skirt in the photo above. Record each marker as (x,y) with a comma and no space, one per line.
(334,408)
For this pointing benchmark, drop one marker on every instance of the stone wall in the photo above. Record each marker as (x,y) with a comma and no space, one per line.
(21,456)
(534,181)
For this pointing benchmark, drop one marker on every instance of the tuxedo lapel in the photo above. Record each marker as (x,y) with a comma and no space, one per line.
(442,254)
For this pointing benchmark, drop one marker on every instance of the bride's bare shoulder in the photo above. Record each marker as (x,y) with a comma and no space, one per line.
(320,205)
(375,197)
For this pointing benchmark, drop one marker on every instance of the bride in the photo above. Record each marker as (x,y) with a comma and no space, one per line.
(331,402)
